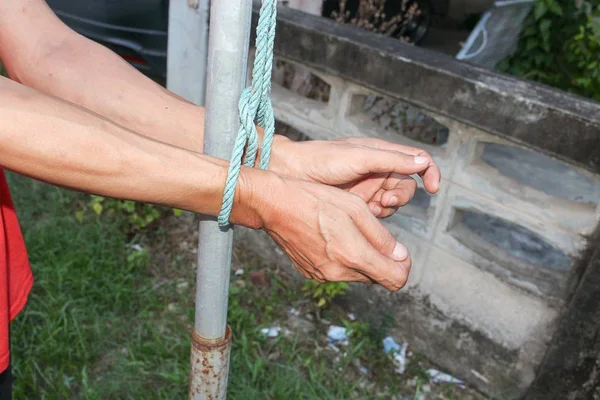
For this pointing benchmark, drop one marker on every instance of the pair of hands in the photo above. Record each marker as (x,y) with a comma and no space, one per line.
(321,202)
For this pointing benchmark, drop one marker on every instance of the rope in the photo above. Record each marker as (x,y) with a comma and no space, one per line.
(254,106)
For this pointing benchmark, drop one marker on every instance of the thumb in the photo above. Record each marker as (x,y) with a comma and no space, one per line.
(380,237)
(387,161)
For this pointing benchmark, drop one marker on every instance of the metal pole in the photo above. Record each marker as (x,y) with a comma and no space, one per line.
(187,48)
(227,62)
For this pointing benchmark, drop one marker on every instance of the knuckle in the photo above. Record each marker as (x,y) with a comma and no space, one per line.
(424,153)
(399,282)
(353,259)
(333,275)
(412,184)
(357,209)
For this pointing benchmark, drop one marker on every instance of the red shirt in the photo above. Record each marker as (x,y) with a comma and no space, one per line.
(16,278)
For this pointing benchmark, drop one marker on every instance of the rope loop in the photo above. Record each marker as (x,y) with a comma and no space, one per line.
(254,108)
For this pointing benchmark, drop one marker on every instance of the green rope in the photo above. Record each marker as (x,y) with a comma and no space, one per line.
(254,106)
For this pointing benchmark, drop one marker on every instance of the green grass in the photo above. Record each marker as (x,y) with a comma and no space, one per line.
(110,320)
(90,329)
(102,323)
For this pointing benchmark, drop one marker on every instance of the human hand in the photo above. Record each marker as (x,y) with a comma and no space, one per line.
(329,234)
(375,170)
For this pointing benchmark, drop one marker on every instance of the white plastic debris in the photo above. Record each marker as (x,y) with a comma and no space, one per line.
(351,317)
(441,377)
(337,335)
(390,346)
(480,376)
(239,272)
(333,347)
(135,247)
(271,332)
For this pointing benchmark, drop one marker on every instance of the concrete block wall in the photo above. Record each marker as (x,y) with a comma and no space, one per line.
(499,251)
(493,250)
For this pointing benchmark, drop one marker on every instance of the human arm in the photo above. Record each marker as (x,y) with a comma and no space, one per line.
(41,52)
(52,58)
(329,234)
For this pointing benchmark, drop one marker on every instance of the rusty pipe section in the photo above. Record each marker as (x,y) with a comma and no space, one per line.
(209,367)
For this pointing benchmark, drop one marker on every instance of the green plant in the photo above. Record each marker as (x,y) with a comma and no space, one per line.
(357,329)
(559,46)
(324,293)
(584,53)
(138,215)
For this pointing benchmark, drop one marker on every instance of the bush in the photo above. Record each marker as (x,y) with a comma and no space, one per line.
(560,46)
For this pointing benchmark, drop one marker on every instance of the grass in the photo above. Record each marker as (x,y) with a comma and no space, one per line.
(109,319)
(90,329)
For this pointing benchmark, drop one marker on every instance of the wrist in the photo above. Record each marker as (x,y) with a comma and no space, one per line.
(277,163)
(254,188)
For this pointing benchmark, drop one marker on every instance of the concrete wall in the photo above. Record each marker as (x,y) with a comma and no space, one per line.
(495,251)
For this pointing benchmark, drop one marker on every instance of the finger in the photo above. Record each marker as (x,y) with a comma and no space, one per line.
(380,237)
(401,163)
(380,268)
(431,176)
(380,211)
(397,191)
(387,212)
(339,273)
(402,193)
(376,208)
(383,259)
(387,161)
(384,145)
(366,188)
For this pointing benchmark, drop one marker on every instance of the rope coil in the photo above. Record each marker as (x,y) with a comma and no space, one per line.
(254,106)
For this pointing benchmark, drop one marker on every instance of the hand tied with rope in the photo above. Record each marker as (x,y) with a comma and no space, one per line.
(254,105)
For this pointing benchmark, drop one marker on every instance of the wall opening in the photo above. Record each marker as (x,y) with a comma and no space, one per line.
(541,172)
(300,80)
(403,119)
(504,242)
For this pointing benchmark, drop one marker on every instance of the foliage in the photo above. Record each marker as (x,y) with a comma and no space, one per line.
(560,46)
(324,293)
(138,215)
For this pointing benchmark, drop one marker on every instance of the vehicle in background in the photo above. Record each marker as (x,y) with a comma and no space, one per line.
(137,30)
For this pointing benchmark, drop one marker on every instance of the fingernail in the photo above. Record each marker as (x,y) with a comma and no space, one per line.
(393,201)
(400,252)
(421,160)
(376,210)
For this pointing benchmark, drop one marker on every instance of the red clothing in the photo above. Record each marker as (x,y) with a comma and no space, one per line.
(16,278)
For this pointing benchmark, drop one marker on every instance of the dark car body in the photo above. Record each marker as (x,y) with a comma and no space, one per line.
(137,30)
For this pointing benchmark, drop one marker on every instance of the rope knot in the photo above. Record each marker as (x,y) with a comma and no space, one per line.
(254,107)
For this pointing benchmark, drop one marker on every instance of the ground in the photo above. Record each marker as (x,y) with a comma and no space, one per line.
(111,312)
